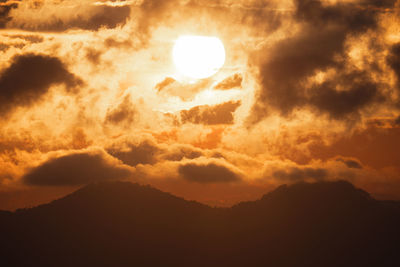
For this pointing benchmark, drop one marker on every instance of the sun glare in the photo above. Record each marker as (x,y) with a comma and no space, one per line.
(198,57)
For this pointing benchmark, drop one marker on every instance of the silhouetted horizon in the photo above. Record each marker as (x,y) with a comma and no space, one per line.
(127,224)
(279,189)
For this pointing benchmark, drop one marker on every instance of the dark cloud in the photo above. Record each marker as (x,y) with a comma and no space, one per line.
(75,169)
(210,115)
(231,82)
(208,173)
(291,61)
(179,152)
(134,154)
(350,163)
(29,77)
(351,17)
(5,9)
(124,113)
(393,60)
(299,174)
(357,92)
(100,16)
(149,152)
(319,45)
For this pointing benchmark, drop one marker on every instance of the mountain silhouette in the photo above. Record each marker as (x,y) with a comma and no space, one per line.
(125,224)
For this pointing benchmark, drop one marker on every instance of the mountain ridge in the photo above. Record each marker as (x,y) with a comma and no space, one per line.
(274,194)
(125,224)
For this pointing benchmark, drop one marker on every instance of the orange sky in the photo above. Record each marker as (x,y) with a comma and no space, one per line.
(310,91)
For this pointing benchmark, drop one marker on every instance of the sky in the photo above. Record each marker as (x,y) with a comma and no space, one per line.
(310,91)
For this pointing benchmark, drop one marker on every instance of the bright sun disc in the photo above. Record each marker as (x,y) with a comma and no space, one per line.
(198,57)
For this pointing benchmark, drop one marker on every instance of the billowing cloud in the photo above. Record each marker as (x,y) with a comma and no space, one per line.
(210,115)
(319,46)
(29,77)
(358,91)
(76,169)
(124,113)
(180,152)
(208,173)
(148,152)
(133,154)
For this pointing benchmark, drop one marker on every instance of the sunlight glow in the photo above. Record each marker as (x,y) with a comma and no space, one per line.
(198,57)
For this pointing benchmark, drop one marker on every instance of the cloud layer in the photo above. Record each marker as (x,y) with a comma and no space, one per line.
(310,91)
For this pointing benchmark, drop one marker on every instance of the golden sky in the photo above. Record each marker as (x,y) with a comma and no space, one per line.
(310,91)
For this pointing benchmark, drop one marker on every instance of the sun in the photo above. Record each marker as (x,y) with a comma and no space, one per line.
(198,57)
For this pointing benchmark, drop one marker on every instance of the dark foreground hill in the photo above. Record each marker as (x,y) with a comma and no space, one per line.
(124,224)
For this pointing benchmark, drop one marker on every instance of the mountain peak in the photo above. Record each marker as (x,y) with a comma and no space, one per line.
(340,190)
(319,195)
(109,196)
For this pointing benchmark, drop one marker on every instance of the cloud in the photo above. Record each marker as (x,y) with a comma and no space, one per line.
(350,163)
(153,12)
(358,91)
(18,41)
(393,60)
(5,9)
(310,67)
(29,77)
(319,45)
(133,154)
(166,82)
(207,173)
(354,17)
(254,15)
(93,56)
(76,169)
(210,115)
(295,174)
(148,152)
(185,91)
(231,82)
(123,113)
(32,38)
(61,16)
(180,152)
